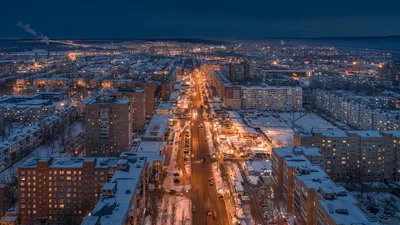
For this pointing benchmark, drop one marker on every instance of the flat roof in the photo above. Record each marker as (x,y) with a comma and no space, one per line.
(296,151)
(366,133)
(165,105)
(157,126)
(73,162)
(149,146)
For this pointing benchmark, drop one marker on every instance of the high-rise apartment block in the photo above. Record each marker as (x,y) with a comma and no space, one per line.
(108,126)
(148,86)
(65,190)
(167,85)
(308,193)
(138,103)
(355,155)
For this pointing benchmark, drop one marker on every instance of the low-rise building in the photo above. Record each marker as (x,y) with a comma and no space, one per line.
(158,128)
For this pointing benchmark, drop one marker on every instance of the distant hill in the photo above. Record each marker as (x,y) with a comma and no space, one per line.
(117,40)
(365,37)
(326,38)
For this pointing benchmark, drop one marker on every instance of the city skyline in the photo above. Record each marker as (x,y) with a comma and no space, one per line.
(199,113)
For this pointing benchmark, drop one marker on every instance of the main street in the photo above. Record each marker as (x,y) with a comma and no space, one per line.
(204,196)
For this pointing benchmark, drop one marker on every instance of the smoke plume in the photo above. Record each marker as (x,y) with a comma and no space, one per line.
(44,38)
(27,28)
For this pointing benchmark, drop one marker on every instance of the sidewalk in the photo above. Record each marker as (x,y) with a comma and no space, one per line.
(175,208)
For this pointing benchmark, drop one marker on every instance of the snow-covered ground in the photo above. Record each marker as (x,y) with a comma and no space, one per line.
(177,210)
(173,166)
(222,187)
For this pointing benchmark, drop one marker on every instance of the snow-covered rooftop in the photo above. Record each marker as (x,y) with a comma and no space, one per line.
(76,162)
(114,209)
(157,126)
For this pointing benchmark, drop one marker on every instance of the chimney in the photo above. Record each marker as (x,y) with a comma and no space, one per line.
(48,51)
(35,45)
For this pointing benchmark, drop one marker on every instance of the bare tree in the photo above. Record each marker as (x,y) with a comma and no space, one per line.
(173,211)
(390,204)
(269,201)
(154,208)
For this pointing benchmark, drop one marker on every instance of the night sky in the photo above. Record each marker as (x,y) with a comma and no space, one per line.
(200,19)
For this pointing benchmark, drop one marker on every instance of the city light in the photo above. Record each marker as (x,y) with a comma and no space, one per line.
(153,122)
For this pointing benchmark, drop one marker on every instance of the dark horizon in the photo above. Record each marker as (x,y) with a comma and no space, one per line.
(205,38)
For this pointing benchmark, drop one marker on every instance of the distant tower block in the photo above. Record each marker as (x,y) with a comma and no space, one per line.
(232,72)
(283,42)
(246,70)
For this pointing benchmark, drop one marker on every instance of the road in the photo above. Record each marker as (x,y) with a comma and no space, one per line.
(203,195)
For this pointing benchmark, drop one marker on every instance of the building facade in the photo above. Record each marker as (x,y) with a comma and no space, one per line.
(138,101)
(64,190)
(108,126)
(355,155)
(308,193)
(253,95)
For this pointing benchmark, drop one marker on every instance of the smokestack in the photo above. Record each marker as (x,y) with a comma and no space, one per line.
(35,45)
(48,51)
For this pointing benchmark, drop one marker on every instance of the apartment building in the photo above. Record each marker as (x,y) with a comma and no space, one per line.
(148,86)
(271,98)
(254,94)
(283,162)
(369,155)
(309,194)
(359,112)
(137,97)
(65,190)
(123,198)
(108,129)
(23,139)
(167,85)
(29,108)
